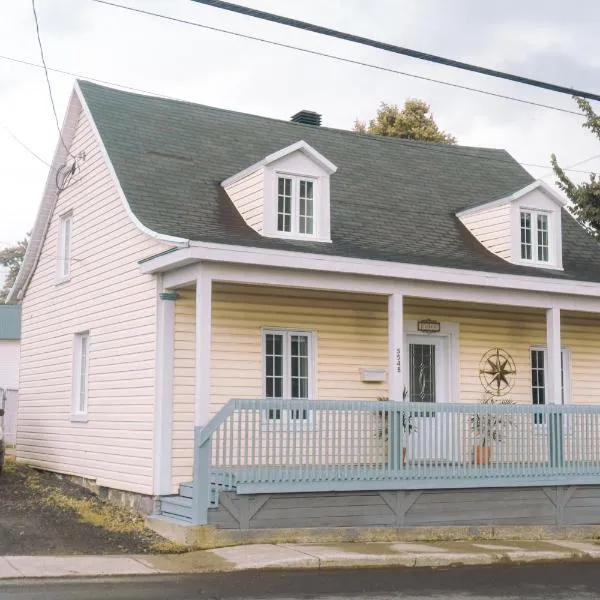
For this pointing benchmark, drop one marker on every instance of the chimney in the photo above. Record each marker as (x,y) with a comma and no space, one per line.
(307,117)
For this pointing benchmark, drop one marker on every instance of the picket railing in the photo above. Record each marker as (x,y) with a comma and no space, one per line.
(279,446)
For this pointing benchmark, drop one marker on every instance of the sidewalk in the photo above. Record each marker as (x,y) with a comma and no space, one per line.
(299,556)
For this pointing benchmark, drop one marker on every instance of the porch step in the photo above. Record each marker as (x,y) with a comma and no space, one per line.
(177,507)
(186,489)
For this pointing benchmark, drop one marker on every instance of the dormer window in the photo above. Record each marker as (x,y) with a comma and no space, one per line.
(535,236)
(295,205)
(524,228)
(286,194)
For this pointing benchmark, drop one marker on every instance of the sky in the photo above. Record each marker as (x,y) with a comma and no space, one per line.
(551,40)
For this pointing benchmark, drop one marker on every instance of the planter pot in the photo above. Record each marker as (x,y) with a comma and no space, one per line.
(482,455)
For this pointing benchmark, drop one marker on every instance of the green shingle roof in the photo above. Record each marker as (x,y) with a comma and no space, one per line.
(10,322)
(391,199)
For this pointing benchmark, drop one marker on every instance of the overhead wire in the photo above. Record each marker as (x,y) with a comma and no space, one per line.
(45,67)
(159,95)
(24,145)
(263,40)
(350,37)
(336,57)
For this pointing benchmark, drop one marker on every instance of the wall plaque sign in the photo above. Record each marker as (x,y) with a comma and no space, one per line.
(429,326)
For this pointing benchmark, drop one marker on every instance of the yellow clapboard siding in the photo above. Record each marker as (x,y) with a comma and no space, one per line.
(351,332)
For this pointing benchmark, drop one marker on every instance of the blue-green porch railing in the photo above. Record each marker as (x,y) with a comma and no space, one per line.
(281,446)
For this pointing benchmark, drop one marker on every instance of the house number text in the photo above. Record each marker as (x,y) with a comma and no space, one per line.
(398,361)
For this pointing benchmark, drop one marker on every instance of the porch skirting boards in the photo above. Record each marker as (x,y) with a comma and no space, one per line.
(556,506)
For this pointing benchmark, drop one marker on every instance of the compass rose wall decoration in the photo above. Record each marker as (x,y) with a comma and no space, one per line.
(497,372)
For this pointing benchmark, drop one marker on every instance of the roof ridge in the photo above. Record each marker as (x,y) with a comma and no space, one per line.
(369,137)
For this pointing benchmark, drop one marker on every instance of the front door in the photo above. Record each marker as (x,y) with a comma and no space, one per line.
(428,381)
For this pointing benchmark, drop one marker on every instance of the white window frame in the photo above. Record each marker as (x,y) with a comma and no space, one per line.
(287,379)
(295,205)
(565,375)
(65,246)
(81,376)
(534,213)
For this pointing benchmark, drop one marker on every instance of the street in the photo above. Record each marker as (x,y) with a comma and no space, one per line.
(572,581)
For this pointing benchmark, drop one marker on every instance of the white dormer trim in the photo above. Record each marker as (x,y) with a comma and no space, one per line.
(301,146)
(538,184)
(497,224)
(254,192)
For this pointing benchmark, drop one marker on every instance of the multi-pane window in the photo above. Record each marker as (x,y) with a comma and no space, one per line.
(284,204)
(526,235)
(64,245)
(288,357)
(81,373)
(295,205)
(539,378)
(535,236)
(542,237)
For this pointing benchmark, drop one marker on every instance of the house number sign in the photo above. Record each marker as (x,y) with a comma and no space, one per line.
(398,361)
(429,326)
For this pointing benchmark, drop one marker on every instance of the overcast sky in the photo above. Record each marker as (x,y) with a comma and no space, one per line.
(552,40)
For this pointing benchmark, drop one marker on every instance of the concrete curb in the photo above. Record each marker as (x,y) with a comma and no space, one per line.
(301,556)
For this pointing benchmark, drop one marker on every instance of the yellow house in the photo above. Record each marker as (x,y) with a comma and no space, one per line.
(214,304)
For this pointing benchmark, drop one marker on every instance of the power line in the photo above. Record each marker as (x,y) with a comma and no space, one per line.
(24,145)
(39,39)
(266,16)
(338,58)
(576,164)
(156,94)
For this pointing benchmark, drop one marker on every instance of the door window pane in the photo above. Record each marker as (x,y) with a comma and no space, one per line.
(422,372)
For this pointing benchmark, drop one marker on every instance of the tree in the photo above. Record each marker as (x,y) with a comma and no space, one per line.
(413,122)
(12,257)
(585,197)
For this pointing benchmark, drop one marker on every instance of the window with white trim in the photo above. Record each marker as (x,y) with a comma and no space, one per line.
(296,205)
(539,360)
(81,362)
(288,368)
(535,236)
(64,245)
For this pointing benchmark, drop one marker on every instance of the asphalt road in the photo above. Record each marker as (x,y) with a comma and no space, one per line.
(572,581)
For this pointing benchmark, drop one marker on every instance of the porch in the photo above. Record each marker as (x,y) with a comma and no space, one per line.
(350,341)
(315,448)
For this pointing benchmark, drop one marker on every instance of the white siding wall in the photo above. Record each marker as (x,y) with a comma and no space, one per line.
(9,363)
(492,228)
(108,296)
(247,196)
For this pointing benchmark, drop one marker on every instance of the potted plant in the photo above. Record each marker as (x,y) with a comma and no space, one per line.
(408,425)
(488,428)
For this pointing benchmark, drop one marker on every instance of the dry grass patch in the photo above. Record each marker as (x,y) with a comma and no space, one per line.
(92,510)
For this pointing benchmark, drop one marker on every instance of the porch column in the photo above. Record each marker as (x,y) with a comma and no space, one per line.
(553,387)
(202,454)
(203,343)
(395,346)
(553,368)
(163,411)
